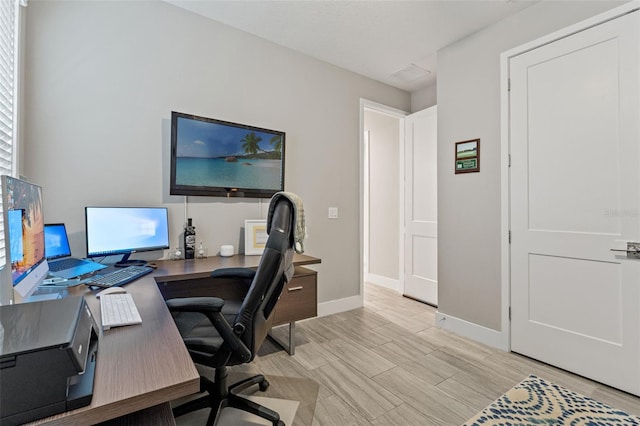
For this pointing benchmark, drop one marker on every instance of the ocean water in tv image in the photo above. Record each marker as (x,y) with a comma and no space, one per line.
(243,173)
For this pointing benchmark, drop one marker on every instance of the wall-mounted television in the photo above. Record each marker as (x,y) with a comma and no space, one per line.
(222,159)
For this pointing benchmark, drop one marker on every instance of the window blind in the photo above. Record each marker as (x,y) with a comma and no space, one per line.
(8,59)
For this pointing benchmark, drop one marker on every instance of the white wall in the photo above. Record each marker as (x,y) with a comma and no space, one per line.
(102,78)
(469,259)
(384,197)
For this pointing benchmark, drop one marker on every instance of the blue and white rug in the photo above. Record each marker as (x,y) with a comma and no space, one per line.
(535,401)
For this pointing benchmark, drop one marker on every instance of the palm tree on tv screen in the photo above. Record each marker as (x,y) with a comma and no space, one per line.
(250,143)
(276,141)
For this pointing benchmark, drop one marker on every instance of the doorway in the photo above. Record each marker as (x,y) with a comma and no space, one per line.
(383,131)
(399,200)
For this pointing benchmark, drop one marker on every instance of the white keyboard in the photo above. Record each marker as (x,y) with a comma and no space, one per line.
(118,309)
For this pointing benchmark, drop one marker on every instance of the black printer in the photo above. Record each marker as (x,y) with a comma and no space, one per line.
(48,358)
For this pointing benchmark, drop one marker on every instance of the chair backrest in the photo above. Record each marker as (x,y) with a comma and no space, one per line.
(275,269)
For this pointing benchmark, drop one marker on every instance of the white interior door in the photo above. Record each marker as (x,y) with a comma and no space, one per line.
(575,194)
(421,206)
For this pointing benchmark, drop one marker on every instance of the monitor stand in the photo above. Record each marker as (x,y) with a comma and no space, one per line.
(125,261)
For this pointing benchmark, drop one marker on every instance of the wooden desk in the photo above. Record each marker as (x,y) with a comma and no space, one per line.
(181,270)
(186,278)
(143,367)
(139,366)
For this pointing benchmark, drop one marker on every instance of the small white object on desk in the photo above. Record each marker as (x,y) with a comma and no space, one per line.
(53,280)
(110,290)
(176,254)
(226,250)
(201,253)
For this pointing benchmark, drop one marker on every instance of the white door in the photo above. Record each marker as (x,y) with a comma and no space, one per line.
(575,195)
(421,207)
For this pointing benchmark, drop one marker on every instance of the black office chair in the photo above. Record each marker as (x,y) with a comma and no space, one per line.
(218,338)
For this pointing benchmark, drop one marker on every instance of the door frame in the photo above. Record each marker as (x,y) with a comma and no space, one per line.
(366,104)
(504,339)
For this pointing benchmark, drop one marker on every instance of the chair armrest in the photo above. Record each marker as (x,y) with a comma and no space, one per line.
(203,305)
(211,307)
(242,273)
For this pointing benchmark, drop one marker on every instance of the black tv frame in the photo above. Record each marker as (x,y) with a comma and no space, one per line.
(214,190)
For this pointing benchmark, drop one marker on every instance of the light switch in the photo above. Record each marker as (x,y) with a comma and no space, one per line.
(333,212)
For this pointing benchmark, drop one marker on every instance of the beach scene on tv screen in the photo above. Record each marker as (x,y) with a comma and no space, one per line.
(218,155)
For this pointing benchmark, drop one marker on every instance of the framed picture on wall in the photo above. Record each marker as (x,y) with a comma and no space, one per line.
(467,156)
(255,236)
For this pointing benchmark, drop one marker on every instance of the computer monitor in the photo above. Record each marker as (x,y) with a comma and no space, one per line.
(126,230)
(24,234)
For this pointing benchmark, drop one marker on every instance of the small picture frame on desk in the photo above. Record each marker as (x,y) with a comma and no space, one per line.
(255,236)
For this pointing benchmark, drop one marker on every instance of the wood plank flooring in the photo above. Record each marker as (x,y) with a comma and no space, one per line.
(387,364)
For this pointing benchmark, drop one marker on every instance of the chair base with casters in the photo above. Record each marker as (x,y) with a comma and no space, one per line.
(220,397)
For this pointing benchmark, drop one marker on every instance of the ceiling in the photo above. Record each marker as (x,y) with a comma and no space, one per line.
(395,41)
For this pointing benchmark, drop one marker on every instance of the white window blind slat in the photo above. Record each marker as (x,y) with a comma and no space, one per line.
(8,75)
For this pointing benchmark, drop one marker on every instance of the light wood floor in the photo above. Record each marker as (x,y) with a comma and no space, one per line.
(387,364)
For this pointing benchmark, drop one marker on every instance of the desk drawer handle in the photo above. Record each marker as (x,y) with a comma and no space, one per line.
(295,288)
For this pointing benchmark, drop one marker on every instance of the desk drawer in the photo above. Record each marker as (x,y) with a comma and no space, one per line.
(299,299)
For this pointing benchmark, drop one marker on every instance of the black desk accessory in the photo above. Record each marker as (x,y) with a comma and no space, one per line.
(47,359)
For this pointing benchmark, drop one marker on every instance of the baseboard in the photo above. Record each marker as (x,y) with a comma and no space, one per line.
(386,282)
(488,336)
(340,305)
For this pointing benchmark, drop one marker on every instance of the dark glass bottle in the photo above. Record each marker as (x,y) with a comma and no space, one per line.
(189,240)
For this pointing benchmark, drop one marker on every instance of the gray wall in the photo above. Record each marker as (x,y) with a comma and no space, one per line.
(101,81)
(102,78)
(424,98)
(384,199)
(469,259)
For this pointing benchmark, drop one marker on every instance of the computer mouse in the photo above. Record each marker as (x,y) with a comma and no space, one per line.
(111,290)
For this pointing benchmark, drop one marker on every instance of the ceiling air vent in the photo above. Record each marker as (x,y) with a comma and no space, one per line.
(411,73)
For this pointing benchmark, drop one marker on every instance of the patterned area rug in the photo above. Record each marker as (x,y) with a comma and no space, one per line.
(537,402)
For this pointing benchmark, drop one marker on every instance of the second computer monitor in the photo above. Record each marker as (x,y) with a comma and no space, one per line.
(126,230)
